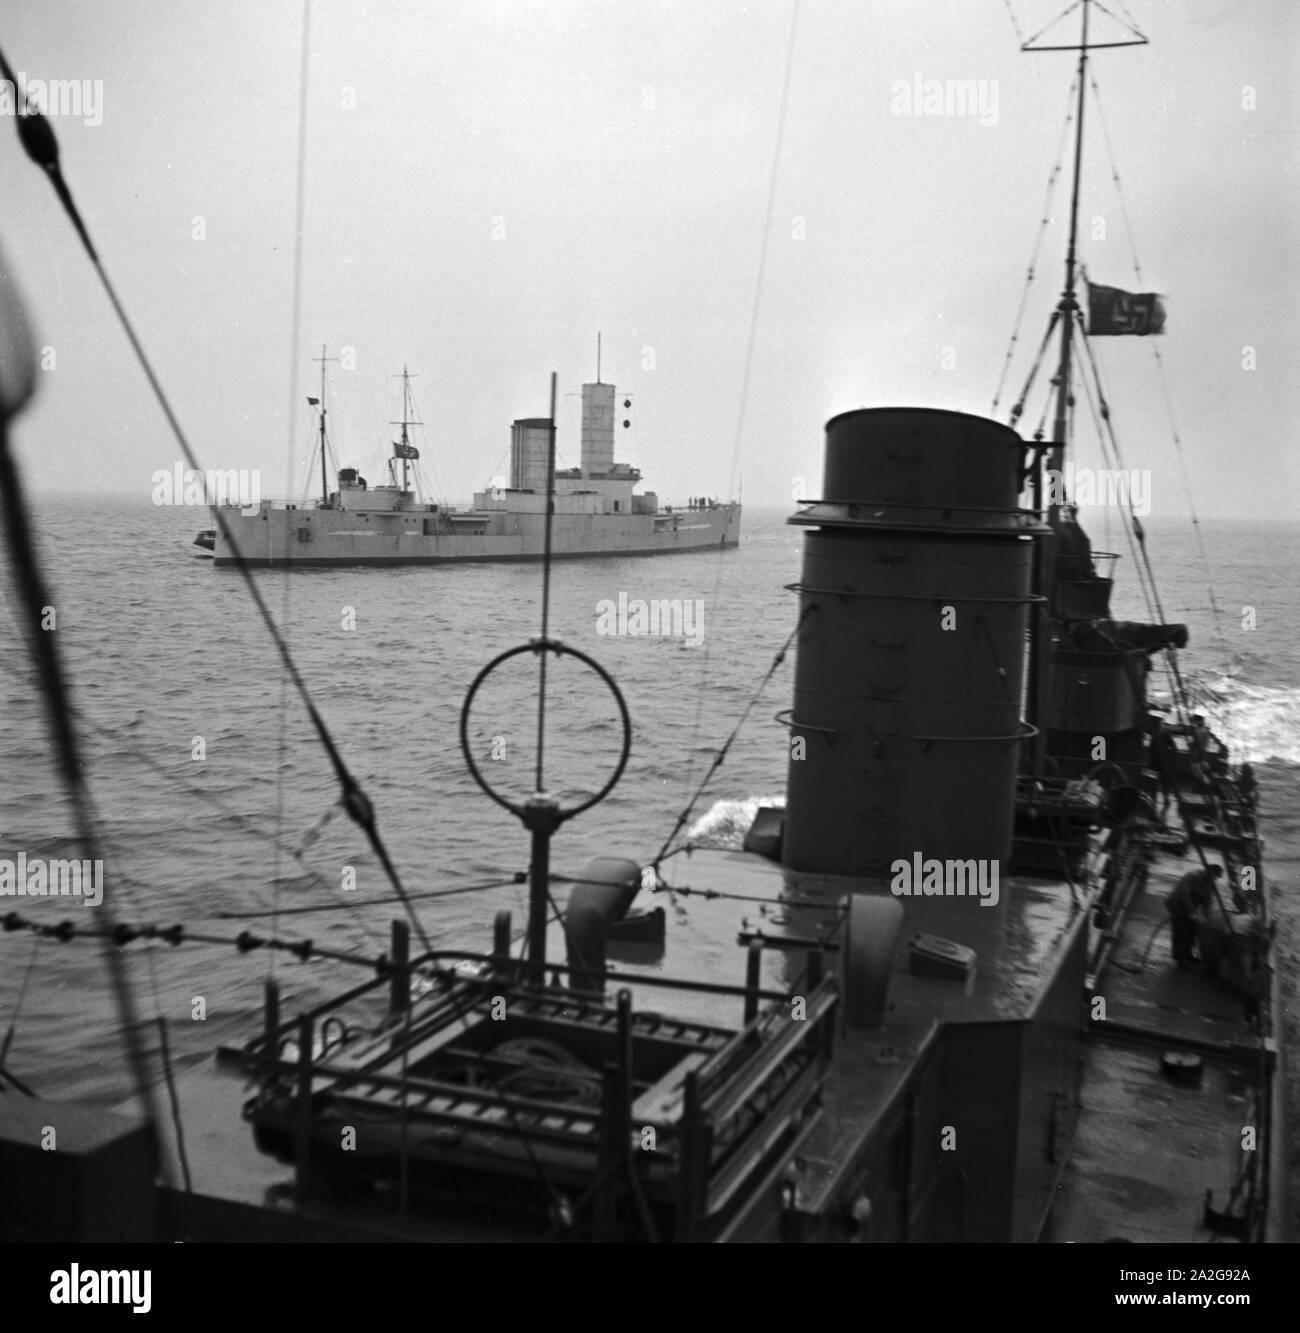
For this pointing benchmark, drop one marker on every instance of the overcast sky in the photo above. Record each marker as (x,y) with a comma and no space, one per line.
(490,184)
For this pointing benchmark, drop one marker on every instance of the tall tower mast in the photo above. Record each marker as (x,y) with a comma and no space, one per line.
(324,482)
(1068,307)
(1066,313)
(406,421)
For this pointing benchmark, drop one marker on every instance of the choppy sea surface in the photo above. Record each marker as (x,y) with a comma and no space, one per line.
(214,796)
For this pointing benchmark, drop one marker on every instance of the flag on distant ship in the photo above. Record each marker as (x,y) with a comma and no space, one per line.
(1111,311)
(405,451)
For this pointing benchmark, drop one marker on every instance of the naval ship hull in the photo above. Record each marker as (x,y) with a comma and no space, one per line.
(324,537)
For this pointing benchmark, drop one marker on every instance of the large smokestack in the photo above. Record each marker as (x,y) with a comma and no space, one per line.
(597,429)
(916,578)
(530,451)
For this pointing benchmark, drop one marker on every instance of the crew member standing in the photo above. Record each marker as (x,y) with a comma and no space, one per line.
(1163,754)
(1188,906)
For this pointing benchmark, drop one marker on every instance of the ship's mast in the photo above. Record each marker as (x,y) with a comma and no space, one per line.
(1068,307)
(1069,304)
(324,482)
(1066,312)
(407,420)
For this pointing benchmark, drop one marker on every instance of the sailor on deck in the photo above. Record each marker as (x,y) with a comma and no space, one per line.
(1163,753)
(1201,733)
(1188,905)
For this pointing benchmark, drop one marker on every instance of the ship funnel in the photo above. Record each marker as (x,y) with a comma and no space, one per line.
(906,726)
(597,429)
(530,454)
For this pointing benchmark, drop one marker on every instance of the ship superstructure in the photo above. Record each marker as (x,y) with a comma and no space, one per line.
(597,509)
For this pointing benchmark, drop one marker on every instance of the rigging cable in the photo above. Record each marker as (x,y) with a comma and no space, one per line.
(436,494)
(1100,415)
(721,755)
(18,1008)
(1019,406)
(1099,411)
(763,246)
(45,652)
(1136,523)
(295,319)
(41,145)
(685,891)
(1164,380)
(1065,13)
(168,1078)
(1131,524)
(751,341)
(231,816)
(1043,223)
(1096,4)
(519,878)
(122,933)
(1015,22)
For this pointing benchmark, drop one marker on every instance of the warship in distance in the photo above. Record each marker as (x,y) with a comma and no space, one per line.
(597,509)
(955,1028)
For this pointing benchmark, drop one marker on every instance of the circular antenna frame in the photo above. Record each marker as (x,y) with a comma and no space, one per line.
(537,646)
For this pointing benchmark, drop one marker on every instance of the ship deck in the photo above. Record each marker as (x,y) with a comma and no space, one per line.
(1147,1144)
(1155,1144)
(1018,946)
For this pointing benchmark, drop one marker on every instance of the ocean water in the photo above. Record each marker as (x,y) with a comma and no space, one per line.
(170,660)
(215,798)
